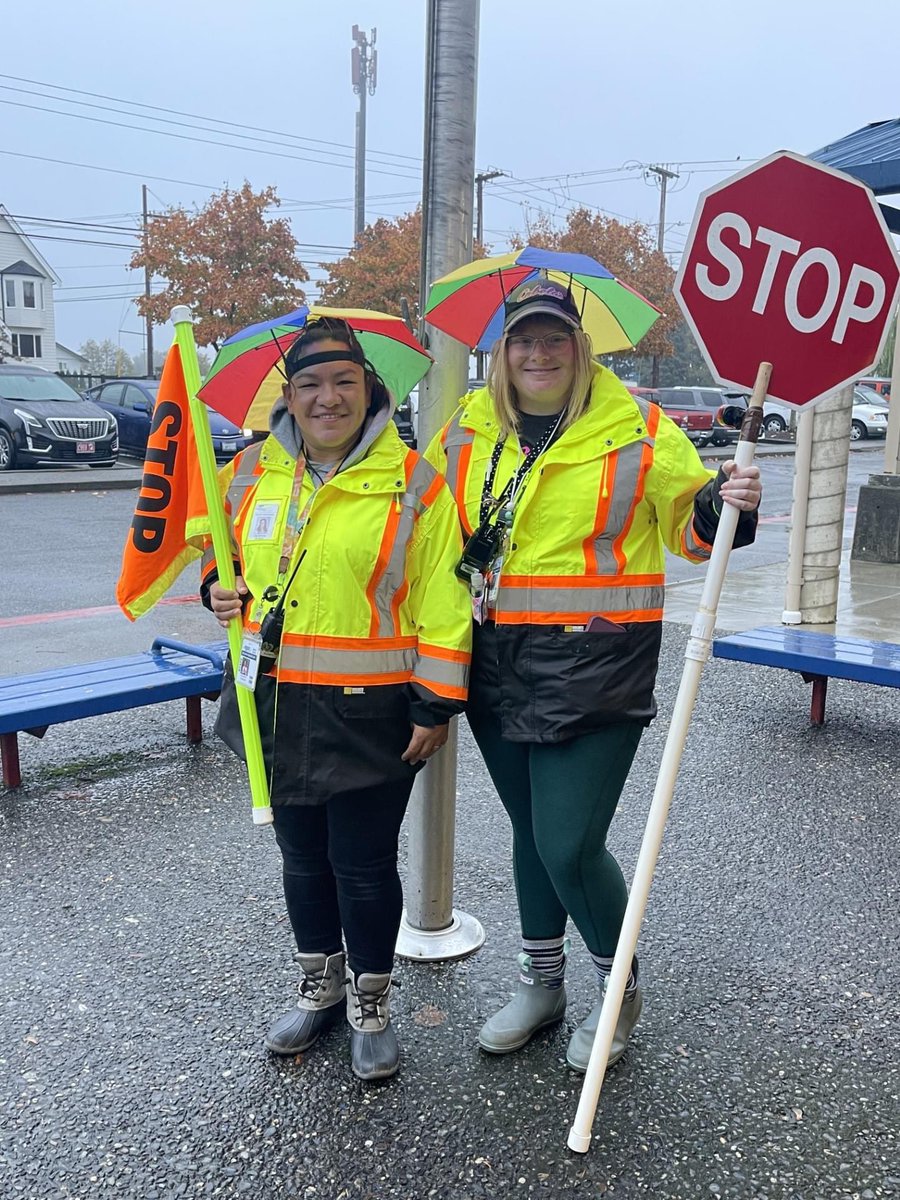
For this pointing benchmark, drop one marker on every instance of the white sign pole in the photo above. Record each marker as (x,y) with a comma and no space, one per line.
(696,655)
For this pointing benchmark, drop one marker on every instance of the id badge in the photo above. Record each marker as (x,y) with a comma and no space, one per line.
(476,592)
(493,577)
(248,663)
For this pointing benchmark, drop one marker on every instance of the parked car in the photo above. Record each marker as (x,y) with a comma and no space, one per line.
(869,418)
(44,420)
(878,383)
(696,424)
(131,402)
(403,419)
(708,399)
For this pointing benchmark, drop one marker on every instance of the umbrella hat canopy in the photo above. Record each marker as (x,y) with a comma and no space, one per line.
(247,375)
(469,302)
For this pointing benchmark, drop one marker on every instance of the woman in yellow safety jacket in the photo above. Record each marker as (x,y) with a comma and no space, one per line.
(568,489)
(352,538)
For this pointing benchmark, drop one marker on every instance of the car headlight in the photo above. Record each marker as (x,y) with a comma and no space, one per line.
(248,433)
(28,418)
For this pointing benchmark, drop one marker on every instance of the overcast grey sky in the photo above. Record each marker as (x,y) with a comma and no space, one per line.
(569,93)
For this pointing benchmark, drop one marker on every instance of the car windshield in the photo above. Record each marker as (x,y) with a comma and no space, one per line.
(27,385)
(864,395)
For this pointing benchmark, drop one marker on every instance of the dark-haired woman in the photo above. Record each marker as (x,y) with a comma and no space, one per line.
(575,488)
(372,664)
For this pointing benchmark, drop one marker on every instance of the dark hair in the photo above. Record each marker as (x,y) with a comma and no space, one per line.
(334,329)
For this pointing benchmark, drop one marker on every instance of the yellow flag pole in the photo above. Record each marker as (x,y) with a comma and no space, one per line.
(184,337)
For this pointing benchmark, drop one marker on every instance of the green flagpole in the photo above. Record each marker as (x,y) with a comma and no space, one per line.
(184,337)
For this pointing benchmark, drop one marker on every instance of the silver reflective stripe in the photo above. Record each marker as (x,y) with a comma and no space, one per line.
(695,547)
(594,599)
(442,672)
(454,441)
(628,469)
(348,664)
(394,574)
(244,479)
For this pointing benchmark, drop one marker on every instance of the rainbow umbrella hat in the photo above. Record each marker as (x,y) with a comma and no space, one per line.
(468,303)
(247,375)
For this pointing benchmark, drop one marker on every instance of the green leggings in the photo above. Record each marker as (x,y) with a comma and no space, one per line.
(561,798)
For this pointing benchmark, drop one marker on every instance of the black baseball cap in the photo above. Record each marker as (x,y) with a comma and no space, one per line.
(541,296)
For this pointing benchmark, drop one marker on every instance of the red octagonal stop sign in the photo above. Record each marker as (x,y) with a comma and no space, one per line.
(791,263)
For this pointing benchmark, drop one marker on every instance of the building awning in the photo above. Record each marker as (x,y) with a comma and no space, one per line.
(872,155)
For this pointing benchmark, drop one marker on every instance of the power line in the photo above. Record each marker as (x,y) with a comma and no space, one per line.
(196,116)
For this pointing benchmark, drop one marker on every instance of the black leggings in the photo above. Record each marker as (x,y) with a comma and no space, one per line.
(561,798)
(340,874)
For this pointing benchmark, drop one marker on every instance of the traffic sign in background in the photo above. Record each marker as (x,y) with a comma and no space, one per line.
(789,262)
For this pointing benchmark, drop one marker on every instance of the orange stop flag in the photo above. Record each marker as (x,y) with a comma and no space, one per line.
(170,518)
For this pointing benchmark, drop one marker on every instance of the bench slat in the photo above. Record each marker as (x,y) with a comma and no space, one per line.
(834,656)
(51,697)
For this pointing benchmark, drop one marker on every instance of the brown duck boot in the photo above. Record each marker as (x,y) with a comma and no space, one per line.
(375,1053)
(321,991)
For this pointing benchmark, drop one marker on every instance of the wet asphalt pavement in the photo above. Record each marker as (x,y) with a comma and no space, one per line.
(145,947)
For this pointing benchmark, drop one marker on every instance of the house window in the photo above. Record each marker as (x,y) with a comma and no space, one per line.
(28,299)
(10,287)
(26,345)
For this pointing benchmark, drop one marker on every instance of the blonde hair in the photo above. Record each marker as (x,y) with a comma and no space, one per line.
(504,396)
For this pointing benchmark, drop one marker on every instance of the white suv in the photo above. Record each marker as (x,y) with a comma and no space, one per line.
(870,415)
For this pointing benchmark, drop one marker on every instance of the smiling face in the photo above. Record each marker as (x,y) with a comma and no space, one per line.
(329,402)
(542,373)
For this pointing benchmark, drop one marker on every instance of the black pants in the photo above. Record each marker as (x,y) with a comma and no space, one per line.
(340,873)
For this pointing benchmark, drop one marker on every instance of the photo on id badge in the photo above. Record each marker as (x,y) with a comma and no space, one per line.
(264,522)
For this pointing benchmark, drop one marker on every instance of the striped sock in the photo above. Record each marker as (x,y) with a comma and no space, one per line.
(548,955)
(603,967)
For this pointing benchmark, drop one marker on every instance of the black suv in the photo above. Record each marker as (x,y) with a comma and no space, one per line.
(403,419)
(711,400)
(43,420)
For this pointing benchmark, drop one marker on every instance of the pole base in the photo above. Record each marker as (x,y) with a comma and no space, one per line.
(579,1142)
(464,935)
(791,616)
(262,814)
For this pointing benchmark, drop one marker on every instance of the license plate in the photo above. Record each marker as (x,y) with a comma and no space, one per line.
(84,447)
(229,447)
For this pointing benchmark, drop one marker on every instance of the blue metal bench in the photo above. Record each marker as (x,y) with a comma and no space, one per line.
(171,670)
(818,657)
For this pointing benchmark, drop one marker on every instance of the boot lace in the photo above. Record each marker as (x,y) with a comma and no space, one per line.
(369,1004)
(311,983)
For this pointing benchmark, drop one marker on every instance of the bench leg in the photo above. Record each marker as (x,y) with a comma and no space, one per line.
(194,720)
(9,754)
(817,710)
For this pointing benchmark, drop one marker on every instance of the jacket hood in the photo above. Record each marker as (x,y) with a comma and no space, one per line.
(284,429)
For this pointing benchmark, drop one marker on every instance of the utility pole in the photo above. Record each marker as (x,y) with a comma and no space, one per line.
(480,180)
(363,74)
(431,928)
(664,175)
(148,320)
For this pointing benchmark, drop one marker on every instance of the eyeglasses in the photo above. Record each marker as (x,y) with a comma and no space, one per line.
(553,343)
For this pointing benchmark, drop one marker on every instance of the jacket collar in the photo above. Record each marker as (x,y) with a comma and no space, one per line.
(614,418)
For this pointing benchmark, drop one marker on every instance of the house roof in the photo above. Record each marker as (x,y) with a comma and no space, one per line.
(10,221)
(872,155)
(22,268)
(71,353)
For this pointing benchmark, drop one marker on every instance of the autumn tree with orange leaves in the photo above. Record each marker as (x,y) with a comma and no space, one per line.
(382,269)
(629,251)
(231,264)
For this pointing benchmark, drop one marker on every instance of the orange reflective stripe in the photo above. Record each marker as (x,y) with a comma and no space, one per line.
(356,679)
(448,691)
(328,642)
(693,545)
(657,579)
(381,564)
(457,444)
(579,616)
(604,493)
(458,656)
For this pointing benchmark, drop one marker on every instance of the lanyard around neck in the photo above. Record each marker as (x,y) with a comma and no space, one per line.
(515,486)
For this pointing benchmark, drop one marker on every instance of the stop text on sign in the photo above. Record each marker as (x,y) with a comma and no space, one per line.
(858,297)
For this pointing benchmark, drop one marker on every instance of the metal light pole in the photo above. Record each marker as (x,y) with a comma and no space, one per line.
(363,73)
(148,319)
(480,180)
(664,175)
(432,929)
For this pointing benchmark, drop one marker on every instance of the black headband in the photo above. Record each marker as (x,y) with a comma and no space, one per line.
(325,356)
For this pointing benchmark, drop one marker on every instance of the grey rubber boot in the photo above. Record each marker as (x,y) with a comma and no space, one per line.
(375,1052)
(321,991)
(581,1042)
(539,1001)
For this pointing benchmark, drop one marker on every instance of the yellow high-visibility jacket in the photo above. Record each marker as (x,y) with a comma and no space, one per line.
(587,540)
(377,629)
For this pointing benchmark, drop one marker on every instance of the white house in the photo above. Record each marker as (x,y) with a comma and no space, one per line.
(26,296)
(70,362)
